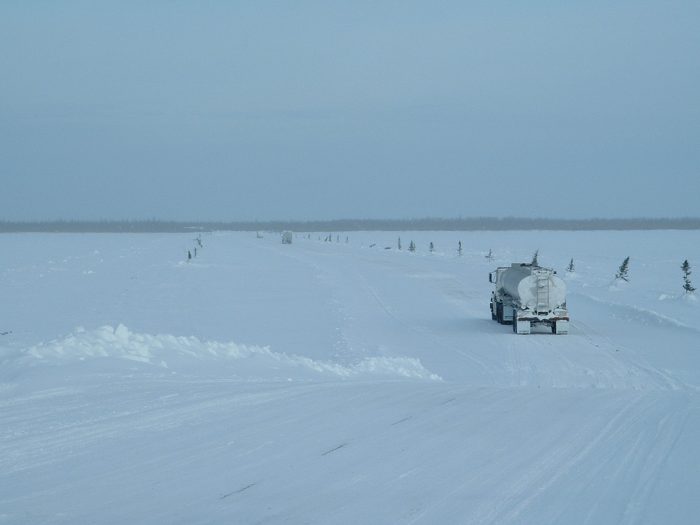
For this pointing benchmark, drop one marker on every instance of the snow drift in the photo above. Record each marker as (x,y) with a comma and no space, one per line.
(178,354)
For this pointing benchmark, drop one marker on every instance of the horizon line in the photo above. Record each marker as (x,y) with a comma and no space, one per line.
(154,225)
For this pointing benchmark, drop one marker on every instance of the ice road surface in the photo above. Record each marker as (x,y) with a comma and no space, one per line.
(344,382)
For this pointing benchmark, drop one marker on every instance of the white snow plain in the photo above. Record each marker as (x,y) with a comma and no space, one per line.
(342,382)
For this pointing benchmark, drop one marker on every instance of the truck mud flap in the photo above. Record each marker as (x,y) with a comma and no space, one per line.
(521,326)
(561,327)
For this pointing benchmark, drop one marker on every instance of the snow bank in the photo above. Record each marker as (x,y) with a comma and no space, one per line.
(190,354)
(643,315)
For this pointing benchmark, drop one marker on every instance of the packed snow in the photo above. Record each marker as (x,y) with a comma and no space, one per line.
(344,381)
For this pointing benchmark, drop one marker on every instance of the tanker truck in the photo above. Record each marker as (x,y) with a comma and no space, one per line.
(525,295)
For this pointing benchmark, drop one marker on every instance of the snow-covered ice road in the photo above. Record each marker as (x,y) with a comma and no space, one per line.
(342,383)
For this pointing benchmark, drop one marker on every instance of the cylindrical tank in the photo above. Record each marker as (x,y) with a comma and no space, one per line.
(521,283)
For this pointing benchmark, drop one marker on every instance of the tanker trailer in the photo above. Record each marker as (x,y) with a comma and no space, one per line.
(525,296)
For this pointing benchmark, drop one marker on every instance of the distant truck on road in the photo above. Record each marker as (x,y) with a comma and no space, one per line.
(525,296)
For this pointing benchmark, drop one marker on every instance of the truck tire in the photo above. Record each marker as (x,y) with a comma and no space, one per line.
(499,312)
(493,315)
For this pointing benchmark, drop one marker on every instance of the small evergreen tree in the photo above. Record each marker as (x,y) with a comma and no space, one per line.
(399,243)
(412,247)
(459,248)
(432,247)
(687,286)
(570,268)
(534,261)
(623,270)
(489,255)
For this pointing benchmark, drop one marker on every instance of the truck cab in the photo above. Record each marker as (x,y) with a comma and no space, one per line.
(501,304)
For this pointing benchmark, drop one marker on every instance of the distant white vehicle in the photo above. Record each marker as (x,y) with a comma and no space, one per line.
(525,296)
(286,237)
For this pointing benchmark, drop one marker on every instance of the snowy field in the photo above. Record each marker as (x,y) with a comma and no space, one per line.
(340,382)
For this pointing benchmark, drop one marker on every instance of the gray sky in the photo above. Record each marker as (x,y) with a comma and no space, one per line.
(319,110)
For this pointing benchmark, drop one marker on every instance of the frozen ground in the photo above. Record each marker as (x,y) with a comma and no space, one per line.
(343,382)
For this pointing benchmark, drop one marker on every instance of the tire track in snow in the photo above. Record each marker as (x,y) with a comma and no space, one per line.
(422,331)
(627,452)
(661,378)
(669,432)
(537,479)
(363,284)
(39,444)
(577,467)
(323,275)
(434,338)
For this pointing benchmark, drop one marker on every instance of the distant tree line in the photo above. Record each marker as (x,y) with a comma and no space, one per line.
(424,224)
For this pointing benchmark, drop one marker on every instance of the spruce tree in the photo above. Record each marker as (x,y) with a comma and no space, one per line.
(399,243)
(687,286)
(623,270)
(534,261)
(412,247)
(459,248)
(489,255)
(432,247)
(570,268)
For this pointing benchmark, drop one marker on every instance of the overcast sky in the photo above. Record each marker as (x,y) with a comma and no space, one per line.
(237,110)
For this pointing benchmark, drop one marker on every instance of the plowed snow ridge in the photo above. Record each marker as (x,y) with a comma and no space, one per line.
(169,351)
